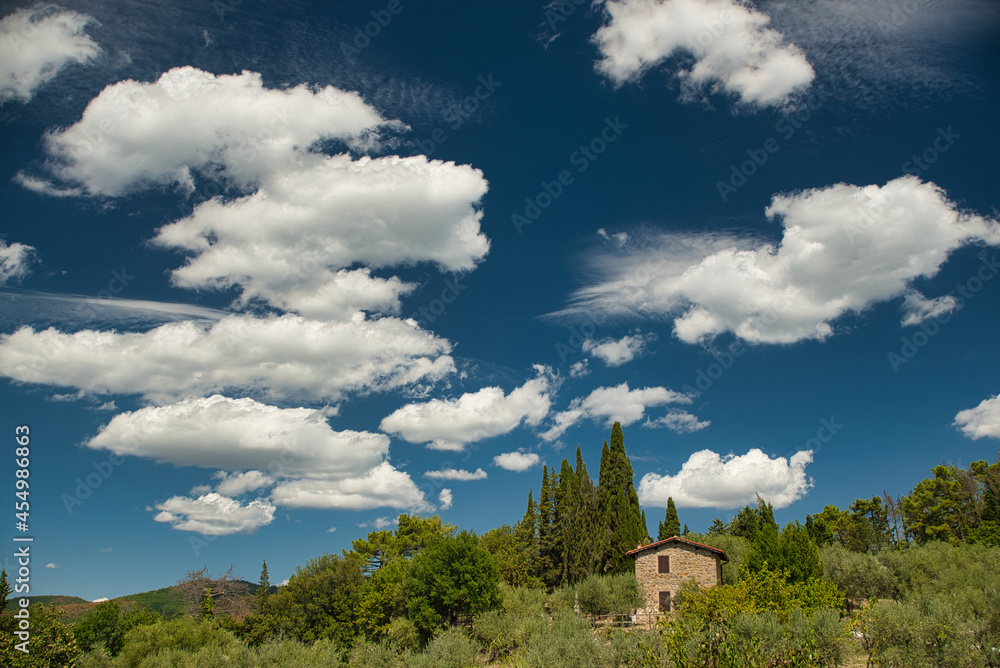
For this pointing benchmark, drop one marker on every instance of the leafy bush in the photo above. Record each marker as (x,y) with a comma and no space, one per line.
(503,633)
(635,648)
(294,654)
(107,623)
(177,635)
(51,643)
(404,634)
(594,596)
(450,649)
(860,575)
(568,642)
(366,654)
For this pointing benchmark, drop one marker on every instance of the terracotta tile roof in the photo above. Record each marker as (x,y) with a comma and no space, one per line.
(676,539)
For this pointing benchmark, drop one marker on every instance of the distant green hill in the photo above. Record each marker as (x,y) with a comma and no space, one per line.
(58,600)
(167,601)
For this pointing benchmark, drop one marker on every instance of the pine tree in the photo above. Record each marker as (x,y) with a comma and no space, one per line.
(671,524)
(717,527)
(263,588)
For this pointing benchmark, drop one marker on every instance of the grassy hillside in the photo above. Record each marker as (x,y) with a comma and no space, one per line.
(166,601)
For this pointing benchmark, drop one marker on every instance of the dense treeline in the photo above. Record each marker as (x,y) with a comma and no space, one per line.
(913,581)
(576,528)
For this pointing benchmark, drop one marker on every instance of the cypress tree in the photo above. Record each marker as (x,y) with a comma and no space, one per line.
(566,507)
(544,524)
(585,525)
(527,528)
(526,536)
(621,516)
(671,524)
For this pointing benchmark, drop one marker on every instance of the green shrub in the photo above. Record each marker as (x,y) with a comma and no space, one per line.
(451,648)
(638,648)
(503,633)
(366,654)
(96,658)
(404,634)
(520,601)
(294,654)
(594,596)
(568,642)
(625,594)
(859,575)
(182,634)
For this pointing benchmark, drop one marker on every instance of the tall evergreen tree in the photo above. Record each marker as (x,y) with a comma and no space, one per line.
(621,525)
(263,588)
(671,524)
(565,517)
(544,524)
(526,537)
(718,527)
(585,523)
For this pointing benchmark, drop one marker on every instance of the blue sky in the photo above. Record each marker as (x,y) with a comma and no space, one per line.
(272,276)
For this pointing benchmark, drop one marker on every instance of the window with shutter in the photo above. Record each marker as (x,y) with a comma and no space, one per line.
(664,601)
(663,563)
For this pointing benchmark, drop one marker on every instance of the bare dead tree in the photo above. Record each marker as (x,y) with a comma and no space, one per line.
(895,516)
(230,595)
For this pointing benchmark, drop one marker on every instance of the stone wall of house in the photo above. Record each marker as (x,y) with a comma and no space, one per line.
(686,562)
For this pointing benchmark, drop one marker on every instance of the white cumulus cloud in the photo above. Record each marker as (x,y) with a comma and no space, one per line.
(450,424)
(709,480)
(612,404)
(456,474)
(295,449)
(615,352)
(237,484)
(445,499)
(383,486)
(36,44)
(733,48)
(517,461)
(281,357)
(680,422)
(214,515)
(982,421)
(843,249)
(292,224)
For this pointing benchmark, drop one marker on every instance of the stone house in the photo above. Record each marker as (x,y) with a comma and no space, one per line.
(662,567)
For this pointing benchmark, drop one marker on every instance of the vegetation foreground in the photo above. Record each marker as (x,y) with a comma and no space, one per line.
(913,581)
